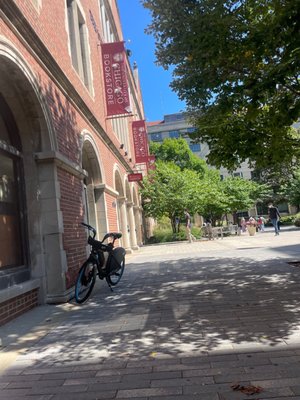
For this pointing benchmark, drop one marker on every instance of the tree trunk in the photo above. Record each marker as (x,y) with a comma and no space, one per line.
(173,224)
(235,218)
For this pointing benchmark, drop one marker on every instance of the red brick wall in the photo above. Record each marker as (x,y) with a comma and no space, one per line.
(68,123)
(51,26)
(74,236)
(13,308)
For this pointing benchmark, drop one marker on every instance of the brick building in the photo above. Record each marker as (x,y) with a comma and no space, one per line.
(62,159)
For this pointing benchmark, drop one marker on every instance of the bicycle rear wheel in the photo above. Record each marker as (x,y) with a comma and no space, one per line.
(114,278)
(85,282)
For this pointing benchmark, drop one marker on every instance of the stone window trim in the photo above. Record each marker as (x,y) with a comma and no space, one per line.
(79,48)
(107,189)
(107,22)
(61,161)
(37,5)
(19,289)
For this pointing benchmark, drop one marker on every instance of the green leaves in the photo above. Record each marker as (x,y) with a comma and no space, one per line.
(178,183)
(168,191)
(178,151)
(237,65)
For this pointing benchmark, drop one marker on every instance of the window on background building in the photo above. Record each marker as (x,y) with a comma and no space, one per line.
(190,130)
(241,214)
(12,241)
(174,134)
(195,147)
(255,175)
(283,207)
(238,174)
(156,137)
(262,209)
(78,36)
(174,117)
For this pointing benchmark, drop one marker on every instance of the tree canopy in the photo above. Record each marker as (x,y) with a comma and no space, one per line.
(237,67)
(181,181)
(168,190)
(178,151)
(291,190)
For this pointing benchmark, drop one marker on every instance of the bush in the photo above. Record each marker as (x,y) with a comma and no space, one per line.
(287,220)
(297,222)
(164,235)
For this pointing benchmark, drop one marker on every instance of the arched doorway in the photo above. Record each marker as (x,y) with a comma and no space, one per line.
(94,197)
(29,208)
(13,249)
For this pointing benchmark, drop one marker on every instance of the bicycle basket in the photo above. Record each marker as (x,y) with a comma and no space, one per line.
(115,258)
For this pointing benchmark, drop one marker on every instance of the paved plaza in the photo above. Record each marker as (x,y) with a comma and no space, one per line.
(210,320)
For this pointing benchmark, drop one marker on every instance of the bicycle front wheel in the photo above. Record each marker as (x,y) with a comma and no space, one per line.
(85,282)
(114,278)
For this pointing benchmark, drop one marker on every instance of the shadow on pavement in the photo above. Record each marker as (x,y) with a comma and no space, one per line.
(180,308)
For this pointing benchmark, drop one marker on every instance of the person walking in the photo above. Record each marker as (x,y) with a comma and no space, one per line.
(274,217)
(188,225)
(261,223)
(243,224)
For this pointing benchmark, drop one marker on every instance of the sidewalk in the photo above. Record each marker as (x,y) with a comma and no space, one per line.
(186,322)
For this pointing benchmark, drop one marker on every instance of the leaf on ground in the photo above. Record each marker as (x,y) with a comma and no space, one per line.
(246,389)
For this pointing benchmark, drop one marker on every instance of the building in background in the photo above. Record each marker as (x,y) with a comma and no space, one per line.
(175,126)
(67,103)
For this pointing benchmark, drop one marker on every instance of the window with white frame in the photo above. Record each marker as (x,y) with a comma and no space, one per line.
(78,35)
(107,30)
(120,127)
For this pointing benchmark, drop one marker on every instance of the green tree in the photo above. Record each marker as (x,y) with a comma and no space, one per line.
(169,190)
(213,200)
(178,151)
(220,198)
(291,190)
(242,194)
(277,178)
(237,66)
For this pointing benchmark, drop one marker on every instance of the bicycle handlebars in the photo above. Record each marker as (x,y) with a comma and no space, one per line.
(90,228)
(114,235)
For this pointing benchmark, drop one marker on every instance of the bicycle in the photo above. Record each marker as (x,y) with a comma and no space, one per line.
(110,268)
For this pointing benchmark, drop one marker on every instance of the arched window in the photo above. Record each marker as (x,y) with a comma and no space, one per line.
(12,198)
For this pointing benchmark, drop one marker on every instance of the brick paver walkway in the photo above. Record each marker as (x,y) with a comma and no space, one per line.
(186,322)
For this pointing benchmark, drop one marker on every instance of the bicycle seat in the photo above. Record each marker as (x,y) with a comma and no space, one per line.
(115,235)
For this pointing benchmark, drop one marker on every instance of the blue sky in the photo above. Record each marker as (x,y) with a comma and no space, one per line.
(157,95)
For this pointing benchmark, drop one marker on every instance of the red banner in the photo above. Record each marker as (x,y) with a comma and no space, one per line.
(115,78)
(140,141)
(151,162)
(135,177)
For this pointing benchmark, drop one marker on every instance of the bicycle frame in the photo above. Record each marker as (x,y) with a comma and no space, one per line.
(111,268)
